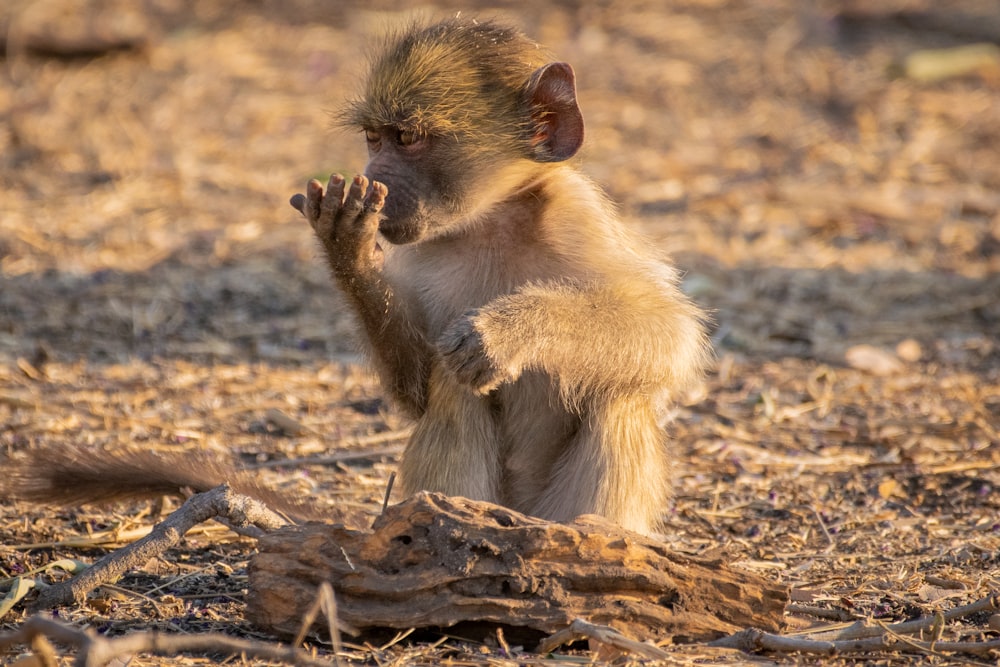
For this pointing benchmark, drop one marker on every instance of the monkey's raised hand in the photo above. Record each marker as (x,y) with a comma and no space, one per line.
(346,227)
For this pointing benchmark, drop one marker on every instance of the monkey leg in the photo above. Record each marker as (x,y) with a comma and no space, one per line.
(455,447)
(616,465)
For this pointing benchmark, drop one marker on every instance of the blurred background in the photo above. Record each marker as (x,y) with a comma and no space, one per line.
(826,172)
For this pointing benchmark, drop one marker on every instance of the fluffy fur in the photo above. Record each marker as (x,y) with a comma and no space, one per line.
(456,77)
(535,339)
(591,338)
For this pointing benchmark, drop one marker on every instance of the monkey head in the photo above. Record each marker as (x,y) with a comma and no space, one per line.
(457,116)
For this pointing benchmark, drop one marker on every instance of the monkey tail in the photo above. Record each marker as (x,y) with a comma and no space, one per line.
(70,476)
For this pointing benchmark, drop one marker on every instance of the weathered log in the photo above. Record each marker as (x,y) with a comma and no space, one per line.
(435,561)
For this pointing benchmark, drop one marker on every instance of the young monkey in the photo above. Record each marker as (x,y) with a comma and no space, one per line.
(536,341)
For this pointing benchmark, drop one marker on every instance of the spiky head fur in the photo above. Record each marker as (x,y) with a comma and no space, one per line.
(459,77)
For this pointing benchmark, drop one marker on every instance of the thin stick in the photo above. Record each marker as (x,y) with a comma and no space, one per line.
(580,629)
(819,612)
(859,630)
(97,651)
(287,424)
(388,491)
(327,601)
(859,637)
(241,511)
(502,641)
(333,624)
(830,544)
(753,641)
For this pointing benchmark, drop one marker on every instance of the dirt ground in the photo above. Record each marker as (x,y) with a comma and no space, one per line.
(835,208)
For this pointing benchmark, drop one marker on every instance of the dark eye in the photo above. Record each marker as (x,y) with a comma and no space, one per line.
(407,137)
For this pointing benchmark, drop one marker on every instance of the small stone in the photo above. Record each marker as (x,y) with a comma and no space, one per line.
(873,360)
(909,350)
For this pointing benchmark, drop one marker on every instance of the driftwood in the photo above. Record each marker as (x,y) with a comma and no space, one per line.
(434,561)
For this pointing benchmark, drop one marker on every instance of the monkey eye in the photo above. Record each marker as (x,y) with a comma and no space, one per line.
(407,137)
(372,137)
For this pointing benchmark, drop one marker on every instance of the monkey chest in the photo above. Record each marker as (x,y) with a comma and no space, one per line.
(441,285)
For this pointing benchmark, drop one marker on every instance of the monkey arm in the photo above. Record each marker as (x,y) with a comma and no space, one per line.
(593,338)
(347,227)
(397,346)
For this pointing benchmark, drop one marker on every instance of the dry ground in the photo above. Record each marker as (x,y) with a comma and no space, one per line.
(157,290)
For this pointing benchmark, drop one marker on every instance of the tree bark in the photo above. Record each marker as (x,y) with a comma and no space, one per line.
(435,561)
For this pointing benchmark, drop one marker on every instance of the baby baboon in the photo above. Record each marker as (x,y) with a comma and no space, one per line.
(534,338)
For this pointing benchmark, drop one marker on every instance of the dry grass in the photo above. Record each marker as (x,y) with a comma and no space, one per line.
(156,288)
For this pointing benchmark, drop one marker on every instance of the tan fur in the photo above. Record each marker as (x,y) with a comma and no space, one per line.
(62,475)
(551,338)
(596,337)
(536,340)
(424,79)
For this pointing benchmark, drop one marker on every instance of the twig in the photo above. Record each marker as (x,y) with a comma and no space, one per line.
(327,601)
(103,538)
(859,637)
(859,630)
(388,491)
(753,641)
(240,510)
(96,651)
(400,636)
(830,544)
(286,424)
(502,641)
(820,612)
(580,629)
(917,645)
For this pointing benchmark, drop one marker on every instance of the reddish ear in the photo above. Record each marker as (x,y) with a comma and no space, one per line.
(556,121)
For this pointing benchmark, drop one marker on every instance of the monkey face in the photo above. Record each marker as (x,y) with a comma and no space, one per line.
(458,117)
(394,159)
(430,180)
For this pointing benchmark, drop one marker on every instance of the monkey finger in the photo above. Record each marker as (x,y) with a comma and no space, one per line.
(314,192)
(367,221)
(334,197)
(298,202)
(311,201)
(375,199)
(457,337)
(482,380)
(485,388)
(354,203)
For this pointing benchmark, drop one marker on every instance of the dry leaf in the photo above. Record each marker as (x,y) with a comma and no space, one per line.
(936,64)
(873,360)
(889,488)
